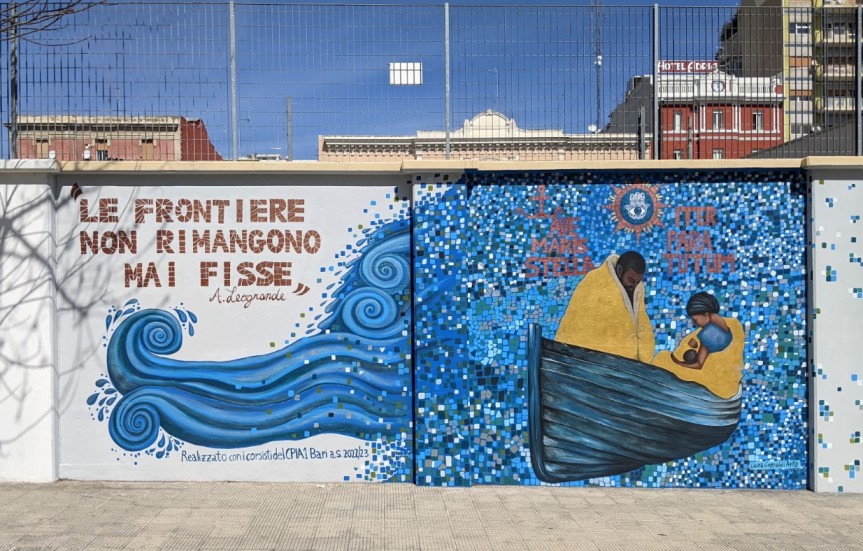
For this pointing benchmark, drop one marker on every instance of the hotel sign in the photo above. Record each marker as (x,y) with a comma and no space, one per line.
(688,66)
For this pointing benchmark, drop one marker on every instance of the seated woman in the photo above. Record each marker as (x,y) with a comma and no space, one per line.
(712,355)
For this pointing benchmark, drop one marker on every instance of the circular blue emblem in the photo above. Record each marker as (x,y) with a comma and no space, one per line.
(636,207)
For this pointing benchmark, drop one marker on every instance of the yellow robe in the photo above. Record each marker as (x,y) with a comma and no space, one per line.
(721,372)
(600,316)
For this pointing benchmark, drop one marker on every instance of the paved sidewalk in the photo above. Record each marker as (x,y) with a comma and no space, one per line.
(225,515)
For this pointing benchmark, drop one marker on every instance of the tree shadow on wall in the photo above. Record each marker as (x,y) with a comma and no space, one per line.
(43,278)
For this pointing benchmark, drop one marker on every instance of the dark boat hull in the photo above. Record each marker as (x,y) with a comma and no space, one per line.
(594,414)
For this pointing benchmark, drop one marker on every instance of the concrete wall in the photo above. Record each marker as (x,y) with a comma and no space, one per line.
(210,368)
(28,298)
(836,399)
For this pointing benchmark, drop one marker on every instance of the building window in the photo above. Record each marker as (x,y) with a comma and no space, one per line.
(101,149)
(677,154)
(799,28)
(147,149)
(758,120)
(718,153)
(677,119)
(41,148)
(718,120)
(735,66)
(837,31)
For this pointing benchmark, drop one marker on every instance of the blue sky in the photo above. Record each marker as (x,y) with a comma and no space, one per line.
(324,66)
(686,3)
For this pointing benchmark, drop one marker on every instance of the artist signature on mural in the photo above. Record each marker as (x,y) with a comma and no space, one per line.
(775,464)
(279,453)
(232,295)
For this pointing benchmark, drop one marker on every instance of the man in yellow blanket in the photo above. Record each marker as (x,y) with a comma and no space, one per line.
(607,313)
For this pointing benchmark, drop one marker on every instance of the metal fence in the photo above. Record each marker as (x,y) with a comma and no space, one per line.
(303,82)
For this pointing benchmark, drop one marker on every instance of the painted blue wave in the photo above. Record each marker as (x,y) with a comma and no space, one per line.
(353,379)
(373,299)
(136,420)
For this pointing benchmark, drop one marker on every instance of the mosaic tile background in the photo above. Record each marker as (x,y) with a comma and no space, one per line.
(445,402)
(471,241)
(837,297)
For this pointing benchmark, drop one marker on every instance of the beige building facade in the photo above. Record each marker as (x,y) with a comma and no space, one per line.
(489,136)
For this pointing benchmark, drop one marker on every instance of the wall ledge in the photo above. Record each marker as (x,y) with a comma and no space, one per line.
(229,167)
(411,166)
(30,165)
(50,166)
(832,162)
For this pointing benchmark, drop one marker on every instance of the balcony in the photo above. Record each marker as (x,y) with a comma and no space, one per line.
(835,71)
(669,90)
(719,86)
(760,89)
(834,105)
(839,39)
(835,34)
(840,71)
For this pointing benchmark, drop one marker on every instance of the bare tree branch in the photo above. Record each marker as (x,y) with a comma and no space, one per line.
(34,16)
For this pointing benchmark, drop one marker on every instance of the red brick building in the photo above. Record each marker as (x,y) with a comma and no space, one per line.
(706,113)
(103,138)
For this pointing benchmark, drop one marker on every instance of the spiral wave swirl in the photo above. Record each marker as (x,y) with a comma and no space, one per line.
(385,267)
(157,332)
(134,424)
(371,312)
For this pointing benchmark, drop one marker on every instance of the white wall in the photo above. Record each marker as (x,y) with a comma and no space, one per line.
(28,408)
(836,396)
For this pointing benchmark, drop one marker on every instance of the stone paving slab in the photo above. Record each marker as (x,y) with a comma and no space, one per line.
(290,516)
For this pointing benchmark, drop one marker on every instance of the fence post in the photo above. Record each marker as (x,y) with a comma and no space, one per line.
(858,63)
(657,154)
(447,98)
(234,155)
(642,133)
(13,81)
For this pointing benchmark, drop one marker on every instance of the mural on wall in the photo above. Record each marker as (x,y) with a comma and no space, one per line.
(601,403)
(333,401)
(618,329)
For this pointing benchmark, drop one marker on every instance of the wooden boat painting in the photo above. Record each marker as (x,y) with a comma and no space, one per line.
(594,414)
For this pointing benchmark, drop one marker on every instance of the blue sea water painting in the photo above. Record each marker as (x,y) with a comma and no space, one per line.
(352,377)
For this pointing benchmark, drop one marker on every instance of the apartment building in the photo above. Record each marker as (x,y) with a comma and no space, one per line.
(113,138)
(816,53)
(705,113)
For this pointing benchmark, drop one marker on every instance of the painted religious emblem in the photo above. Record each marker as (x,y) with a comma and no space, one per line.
(636,208)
